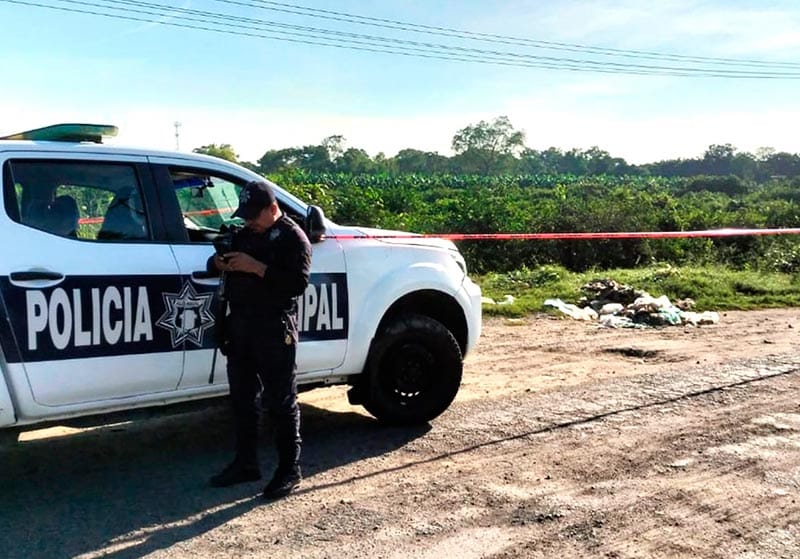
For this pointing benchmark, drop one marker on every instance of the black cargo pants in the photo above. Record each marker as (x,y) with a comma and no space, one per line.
(261,373)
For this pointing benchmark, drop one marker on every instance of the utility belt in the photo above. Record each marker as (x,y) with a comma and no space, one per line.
(263,312)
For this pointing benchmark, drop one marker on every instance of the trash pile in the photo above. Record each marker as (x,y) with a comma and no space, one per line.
(507,300)
(616,305)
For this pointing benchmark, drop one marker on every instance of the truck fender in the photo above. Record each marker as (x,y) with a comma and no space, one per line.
(384,293)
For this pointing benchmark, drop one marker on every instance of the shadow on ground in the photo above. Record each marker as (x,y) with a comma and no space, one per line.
(71,495)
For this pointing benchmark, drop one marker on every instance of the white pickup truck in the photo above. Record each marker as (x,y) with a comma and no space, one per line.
(105,304)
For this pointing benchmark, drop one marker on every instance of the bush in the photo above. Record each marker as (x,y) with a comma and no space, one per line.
(442,203)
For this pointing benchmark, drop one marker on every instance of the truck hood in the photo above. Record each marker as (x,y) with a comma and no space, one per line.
(402,238)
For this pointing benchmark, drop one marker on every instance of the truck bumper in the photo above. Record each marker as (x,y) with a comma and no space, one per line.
(470,297)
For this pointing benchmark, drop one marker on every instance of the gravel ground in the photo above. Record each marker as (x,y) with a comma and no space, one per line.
(565,441)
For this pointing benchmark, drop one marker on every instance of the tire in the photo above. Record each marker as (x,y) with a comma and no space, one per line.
(413,371)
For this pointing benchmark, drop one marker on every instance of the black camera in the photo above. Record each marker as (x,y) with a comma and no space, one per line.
(223,243)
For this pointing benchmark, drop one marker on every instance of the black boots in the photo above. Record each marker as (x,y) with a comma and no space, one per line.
(235,473)
(283,482)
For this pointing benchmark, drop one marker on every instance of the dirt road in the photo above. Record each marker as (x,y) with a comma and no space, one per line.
(565,441)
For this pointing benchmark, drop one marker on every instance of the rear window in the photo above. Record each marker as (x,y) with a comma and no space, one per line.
(77,199)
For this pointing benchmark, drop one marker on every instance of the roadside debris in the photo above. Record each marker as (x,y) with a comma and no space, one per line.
(617,305)
(507,300)
(585,313)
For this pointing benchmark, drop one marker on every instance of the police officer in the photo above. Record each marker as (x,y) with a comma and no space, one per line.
(268,267)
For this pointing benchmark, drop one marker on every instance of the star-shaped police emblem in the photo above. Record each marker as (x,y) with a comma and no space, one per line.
(188,315)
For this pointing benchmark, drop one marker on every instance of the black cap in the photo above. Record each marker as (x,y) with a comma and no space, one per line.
(254,197)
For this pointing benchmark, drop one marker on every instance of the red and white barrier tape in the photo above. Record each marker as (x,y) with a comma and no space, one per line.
(579,236)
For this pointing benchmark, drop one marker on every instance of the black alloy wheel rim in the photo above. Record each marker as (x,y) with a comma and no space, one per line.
(410,368)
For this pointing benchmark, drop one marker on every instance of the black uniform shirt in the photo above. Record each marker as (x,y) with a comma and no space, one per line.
(285,250)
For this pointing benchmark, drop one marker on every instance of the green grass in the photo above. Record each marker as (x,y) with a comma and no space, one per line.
(714,288)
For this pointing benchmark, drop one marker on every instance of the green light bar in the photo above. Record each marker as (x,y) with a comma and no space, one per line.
(67,133)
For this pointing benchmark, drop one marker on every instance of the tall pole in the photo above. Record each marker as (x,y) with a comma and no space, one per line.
(177,136)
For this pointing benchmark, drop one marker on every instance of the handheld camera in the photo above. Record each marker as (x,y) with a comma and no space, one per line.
(223,243)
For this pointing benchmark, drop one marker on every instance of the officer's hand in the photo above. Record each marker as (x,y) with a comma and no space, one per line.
(241,262)
(220,263)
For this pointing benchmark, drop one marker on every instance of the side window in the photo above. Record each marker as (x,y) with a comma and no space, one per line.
(206,201)
(78,199)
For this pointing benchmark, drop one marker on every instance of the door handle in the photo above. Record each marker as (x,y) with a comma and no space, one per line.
(34,275)
(36,278)
(202,277)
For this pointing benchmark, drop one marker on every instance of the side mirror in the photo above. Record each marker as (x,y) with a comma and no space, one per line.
(315,224)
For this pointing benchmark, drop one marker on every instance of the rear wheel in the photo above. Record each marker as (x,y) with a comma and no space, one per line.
(413,372)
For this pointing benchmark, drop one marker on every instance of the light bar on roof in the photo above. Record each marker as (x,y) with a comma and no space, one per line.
(67,133)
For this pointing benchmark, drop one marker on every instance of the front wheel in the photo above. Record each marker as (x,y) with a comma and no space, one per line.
(413,371)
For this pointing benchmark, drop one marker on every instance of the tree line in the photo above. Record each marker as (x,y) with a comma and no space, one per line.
(497,148)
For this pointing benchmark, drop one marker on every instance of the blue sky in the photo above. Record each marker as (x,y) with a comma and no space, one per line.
(258,94)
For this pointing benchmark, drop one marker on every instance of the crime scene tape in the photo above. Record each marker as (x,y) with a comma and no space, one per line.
(579,236)
(731,232)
